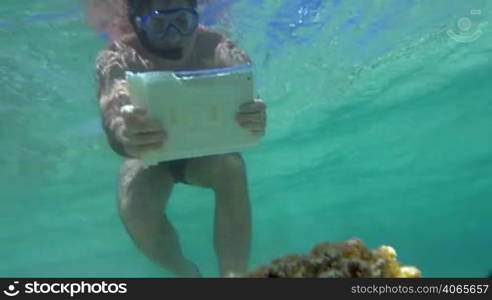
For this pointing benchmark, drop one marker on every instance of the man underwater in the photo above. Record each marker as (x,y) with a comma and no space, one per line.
(165,35)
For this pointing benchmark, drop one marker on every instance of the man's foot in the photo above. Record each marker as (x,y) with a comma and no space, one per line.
(233,275)
(189,269)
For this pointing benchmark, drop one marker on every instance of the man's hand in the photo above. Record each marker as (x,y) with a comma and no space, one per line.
(137,133)
(252,116)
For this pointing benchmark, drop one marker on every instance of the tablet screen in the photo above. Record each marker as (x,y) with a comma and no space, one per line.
(197,109)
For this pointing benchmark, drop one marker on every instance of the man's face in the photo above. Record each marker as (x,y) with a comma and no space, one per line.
(173,43)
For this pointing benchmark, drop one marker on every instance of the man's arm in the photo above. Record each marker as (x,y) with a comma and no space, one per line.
(228,55)
(251,115)
(112,95)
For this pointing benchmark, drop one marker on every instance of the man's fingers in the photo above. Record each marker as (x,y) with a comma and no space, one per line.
(138,150)
(254,118)
(139,110)
(252,123)
(257,128)
(148,147)
(127,110)
(137,121)
(255,101)
(253,126)
(253,106)
(134,115)
(144,126)
(139,139)
(258,132)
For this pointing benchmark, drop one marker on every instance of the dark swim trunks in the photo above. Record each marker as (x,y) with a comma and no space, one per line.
(177,168)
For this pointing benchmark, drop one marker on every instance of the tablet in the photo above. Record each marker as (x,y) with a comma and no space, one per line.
(197,109)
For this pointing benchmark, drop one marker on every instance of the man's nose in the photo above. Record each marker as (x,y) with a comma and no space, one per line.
(173,35)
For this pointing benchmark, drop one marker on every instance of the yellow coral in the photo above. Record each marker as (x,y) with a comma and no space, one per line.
(409,272)
(388,251)
(346,259)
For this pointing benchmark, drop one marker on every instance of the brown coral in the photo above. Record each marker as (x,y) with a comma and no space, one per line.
(347,259)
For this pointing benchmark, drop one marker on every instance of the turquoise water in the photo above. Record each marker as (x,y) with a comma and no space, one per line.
(379,128)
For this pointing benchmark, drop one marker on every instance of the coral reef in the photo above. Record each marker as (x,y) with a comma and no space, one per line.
(347,259)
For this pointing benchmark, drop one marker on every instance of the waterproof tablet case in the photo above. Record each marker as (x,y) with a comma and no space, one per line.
(197,108)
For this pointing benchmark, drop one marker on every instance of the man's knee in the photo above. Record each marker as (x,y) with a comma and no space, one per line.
(226,168)
(143,192)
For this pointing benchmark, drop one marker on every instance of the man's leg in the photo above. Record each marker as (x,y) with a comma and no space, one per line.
(226,175)
(143,195)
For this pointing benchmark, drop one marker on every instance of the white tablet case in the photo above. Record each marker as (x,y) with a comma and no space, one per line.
(197,109)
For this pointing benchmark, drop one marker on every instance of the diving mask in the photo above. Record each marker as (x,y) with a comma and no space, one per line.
(159,23)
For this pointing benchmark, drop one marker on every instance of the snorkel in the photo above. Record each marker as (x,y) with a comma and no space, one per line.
(145,29)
